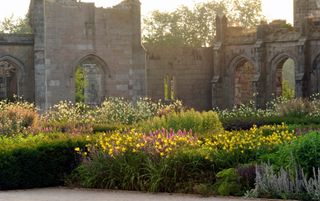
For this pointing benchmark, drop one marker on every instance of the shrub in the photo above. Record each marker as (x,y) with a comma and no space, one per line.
(126,171)
(139,171)
(244,146)
(198,122)
(204,190)
(278,185)
(280,110)
(121,111)
(295,108)
(159,143)
(156,162)
(312,185)
(286,184)
(167,161)
(247,173)
(17,117)
(244,116)
(228,182)
(37,161)
(303,152)
(113,114)
(67,117)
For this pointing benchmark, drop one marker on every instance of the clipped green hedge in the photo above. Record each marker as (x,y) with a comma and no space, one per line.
(245,123)
(37,161)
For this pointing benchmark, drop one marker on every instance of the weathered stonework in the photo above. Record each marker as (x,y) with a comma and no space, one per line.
(106,43)
(69,33)
(267,49)
(17,50)
(190,68)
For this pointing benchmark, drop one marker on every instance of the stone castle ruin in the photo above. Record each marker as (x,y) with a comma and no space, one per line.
(106,44)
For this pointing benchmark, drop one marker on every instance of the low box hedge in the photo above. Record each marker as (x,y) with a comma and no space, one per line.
(37,161)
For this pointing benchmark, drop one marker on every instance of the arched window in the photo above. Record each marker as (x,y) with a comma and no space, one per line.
(243,84)
(315,76)
(89,81)
(8,80)
(285,81)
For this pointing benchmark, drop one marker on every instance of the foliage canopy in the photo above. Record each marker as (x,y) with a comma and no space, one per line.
(15,25)
(195,26)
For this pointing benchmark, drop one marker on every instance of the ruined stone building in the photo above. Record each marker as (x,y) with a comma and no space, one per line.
(106,43)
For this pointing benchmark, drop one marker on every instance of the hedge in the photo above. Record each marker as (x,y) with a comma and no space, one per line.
(37,161)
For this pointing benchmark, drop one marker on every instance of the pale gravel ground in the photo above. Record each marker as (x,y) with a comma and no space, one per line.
(64,194)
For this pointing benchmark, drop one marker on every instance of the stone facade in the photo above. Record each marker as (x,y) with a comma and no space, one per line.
(189,71)
(16,56)
(266,50)
(68,34)
(104,41)
(106,44)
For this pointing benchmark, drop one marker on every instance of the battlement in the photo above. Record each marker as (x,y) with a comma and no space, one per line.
(277,30)
(242,35)
(124,4)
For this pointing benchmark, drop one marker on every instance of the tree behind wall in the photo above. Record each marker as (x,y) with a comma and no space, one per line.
(196,27)
(81,84)
(15,25)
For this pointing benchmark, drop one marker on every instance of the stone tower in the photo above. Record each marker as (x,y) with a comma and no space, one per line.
(305,9)
(105,42)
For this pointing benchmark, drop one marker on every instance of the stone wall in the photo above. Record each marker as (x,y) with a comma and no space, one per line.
(73,32)
(18,50)
(191,69)
(305,9)
(267,50)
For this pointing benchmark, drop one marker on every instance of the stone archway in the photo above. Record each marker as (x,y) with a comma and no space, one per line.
(90,80)
(315,76)
(244,73)
(284,77)
(11,72)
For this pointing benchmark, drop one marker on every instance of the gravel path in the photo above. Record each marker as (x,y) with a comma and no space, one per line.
(64,194)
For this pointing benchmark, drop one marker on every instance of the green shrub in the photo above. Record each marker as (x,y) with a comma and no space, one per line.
(204,190)
(181,172)
(303,152)
(198,122)
(37,161)
(114,113)
(123,172)
(228,182)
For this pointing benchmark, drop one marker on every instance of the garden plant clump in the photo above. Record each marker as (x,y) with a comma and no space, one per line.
(17,117)
(162,155)
(152,146)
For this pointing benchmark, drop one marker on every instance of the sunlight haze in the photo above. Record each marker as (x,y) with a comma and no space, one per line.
(272,9)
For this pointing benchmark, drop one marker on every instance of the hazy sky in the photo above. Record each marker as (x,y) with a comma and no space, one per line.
(272,9)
